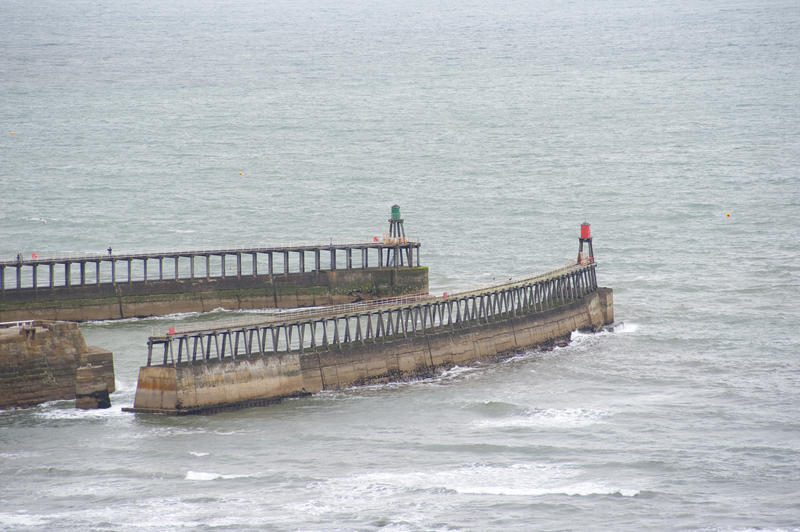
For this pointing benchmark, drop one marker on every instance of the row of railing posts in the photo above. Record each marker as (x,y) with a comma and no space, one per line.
(26,273)
(382,324)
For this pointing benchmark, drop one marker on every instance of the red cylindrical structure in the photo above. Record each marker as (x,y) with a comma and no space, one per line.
(585,232)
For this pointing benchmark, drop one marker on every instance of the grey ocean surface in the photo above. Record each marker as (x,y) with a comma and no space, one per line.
(498,127)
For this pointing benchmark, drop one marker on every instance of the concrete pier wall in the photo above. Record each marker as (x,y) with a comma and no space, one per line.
(160,297)
(192,388)
(39,362)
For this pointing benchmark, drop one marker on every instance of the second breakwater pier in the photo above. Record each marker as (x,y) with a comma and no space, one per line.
(112,286)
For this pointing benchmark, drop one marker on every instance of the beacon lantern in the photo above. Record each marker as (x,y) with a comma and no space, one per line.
(585,238)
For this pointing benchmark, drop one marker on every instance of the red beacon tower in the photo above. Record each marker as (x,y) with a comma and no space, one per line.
(585,238)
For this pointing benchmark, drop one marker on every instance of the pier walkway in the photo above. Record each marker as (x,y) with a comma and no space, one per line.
(304,330)
(36,274)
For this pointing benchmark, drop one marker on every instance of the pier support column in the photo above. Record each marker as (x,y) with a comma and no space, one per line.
(113,272)
(349,254)
(2,280)
(302,261)
(160,268)
(177,263)
(333,258)
(97,272)
(35,267)
(67,274)
(317,265)
(255,264)
(238,265)
(130,271)
(191,266)
(269,263)
(208,266)
(223,265)
(83,273)
(286,262)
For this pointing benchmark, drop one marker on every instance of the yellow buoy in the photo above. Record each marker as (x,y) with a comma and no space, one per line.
(728,214)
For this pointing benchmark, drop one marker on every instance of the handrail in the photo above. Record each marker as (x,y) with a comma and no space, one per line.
(188,253)
(22,275)
(382,322)
(549,274)
(11,324)
(355,308)
(293,315)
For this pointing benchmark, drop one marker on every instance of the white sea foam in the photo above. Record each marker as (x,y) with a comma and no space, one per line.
(51,411)
(370,489)
(16,455)
(178,316)
(17,520)
(519,356)
(545,418)
(582,489)
(167,431)
(202,475)
(748,529)
(457,372)
(626,327)
(123,386)
(196,453)
(359,392)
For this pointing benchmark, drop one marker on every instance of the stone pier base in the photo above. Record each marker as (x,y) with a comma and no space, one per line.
(91,388)
(40,361)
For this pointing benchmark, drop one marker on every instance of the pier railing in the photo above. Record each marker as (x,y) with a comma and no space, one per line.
(385,322)
(16,324)
(49,273)
(238,320)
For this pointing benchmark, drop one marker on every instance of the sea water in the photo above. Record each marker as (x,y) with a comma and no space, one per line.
(498,127)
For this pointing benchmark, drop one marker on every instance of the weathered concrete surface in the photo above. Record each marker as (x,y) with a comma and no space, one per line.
(91,388)
(424,355)
(187,388)
(153,298)
(104,359)
(39,362)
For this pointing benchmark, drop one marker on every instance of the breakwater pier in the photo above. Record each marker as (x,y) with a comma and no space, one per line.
(304,352)
(110,286)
